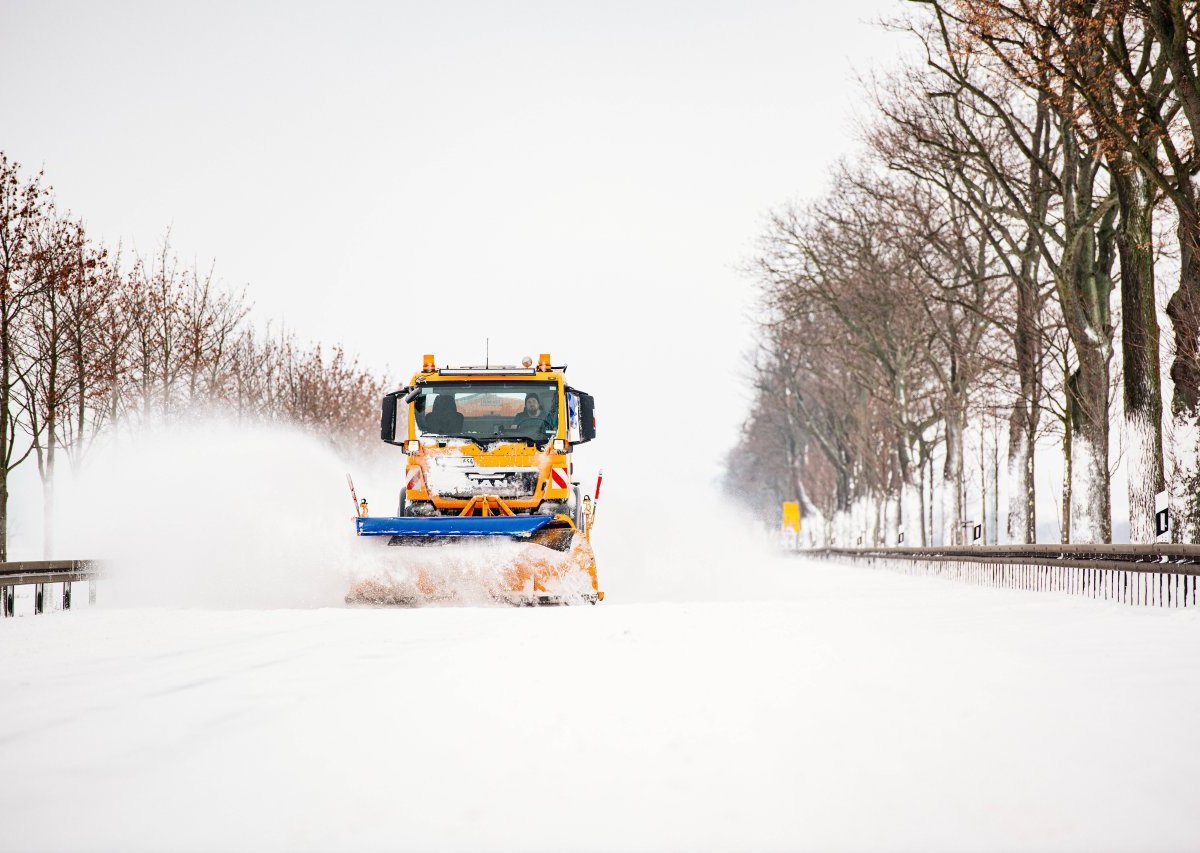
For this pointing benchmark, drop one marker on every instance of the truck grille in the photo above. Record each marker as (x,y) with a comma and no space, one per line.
(464,485)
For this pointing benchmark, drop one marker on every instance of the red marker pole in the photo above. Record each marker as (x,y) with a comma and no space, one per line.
(590,512)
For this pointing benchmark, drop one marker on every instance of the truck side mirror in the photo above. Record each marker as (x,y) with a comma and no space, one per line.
(587,416)
(387,419)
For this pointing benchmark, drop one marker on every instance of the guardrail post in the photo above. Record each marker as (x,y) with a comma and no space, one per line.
(38,573)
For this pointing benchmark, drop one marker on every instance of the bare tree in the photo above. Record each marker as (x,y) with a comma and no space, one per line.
(1078,253)
(60,272)
(87,346)
(23,209)
(836,267)
(921,135)
(1102,65)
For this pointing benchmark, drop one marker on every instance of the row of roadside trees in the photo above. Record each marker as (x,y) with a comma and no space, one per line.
(995,255)
(94,340)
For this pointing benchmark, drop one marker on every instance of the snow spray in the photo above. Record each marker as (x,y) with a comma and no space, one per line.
(213,514)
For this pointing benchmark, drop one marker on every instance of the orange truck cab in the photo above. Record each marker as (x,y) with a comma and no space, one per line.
(506,432)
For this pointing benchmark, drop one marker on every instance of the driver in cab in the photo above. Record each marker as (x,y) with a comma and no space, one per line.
(531,415)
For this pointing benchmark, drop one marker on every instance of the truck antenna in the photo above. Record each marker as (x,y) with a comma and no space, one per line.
(487,352)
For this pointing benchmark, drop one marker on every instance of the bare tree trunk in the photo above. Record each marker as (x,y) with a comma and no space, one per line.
(870,525)
(923,542)
(6,422)
(51,357)
(1023,422)
(908,501)
(1184,311)
(995,493)
(48,474)
(1084,285)
(892,518)
(3,514)
(48,511)
(1064,528)
(841,515)
(1091,511)
(985,517)
(1139,350)
(952,476)
(1021,529)
(932,498)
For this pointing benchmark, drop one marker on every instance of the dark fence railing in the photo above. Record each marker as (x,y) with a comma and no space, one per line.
(42,572)
(1157,575)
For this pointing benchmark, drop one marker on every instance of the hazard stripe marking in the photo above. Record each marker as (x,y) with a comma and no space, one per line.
(558,476)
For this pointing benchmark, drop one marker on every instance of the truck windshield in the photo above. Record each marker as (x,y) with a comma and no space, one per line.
(488,410)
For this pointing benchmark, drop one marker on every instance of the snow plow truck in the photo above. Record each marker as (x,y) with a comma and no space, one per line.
(489,498)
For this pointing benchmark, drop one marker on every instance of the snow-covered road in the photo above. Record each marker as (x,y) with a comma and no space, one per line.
(829,707)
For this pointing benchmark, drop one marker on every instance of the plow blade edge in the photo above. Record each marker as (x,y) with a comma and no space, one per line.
(517,526)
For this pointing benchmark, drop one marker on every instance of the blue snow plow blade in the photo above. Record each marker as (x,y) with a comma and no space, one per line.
(453,525)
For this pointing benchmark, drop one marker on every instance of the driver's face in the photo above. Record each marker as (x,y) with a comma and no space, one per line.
(532,406)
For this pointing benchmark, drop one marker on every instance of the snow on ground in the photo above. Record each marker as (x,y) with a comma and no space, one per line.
(834,708)
(723,697)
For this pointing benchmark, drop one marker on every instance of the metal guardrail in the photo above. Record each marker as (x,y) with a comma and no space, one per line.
(42,572)
(1156,575)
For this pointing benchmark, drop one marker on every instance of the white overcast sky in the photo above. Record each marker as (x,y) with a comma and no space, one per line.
(578,178)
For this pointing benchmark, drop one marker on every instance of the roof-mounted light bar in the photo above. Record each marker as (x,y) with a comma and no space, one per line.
(429,365)
(496,371)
